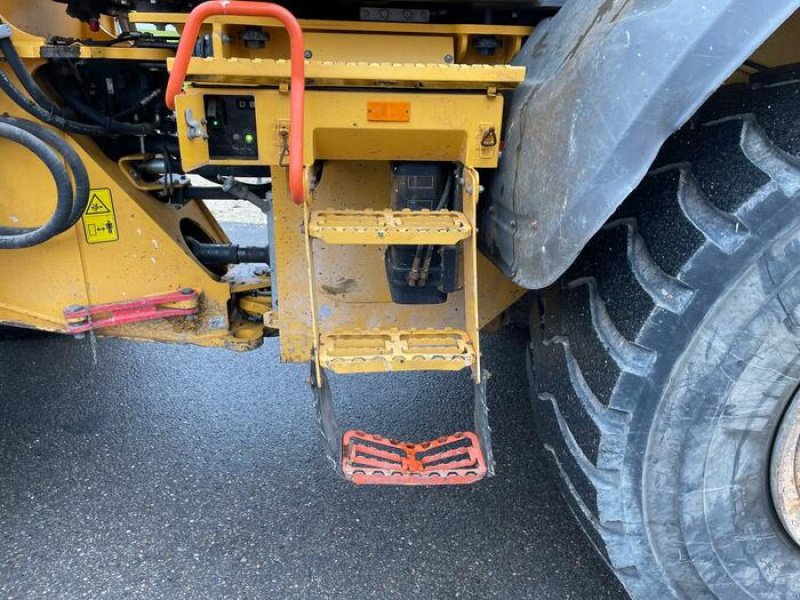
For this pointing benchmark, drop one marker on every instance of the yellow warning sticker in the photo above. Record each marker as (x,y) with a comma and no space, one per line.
(99,222)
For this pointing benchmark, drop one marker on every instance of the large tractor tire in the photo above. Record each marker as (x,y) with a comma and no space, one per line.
(665,365)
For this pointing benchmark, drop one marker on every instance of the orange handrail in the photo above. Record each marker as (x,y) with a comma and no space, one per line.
(298,80)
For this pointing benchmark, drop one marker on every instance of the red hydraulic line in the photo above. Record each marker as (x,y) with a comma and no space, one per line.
(191,30)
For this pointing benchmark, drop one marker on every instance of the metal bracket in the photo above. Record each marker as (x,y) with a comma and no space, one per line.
(183,303)
(195,128)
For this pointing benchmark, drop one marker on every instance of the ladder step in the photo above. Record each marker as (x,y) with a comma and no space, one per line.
(398,227)
(378,351)
(369,459)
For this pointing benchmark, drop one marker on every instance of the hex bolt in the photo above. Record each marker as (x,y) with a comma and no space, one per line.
(448,58)
(187,291)
(308,54)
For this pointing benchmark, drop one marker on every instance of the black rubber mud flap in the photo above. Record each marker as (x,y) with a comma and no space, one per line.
(326,418)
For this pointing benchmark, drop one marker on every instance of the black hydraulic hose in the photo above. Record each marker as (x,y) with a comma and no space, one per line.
(25,237)
(227,254)
(58,156)
(42,114)
(211,173)
(108,123)
(140,104)
(80,177)
(48,112)
(24,76)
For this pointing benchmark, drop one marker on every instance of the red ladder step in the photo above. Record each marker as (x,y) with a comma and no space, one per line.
(369,459)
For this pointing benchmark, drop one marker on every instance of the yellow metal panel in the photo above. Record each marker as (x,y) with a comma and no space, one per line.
(42,18)
(190,114)
(496,292)
(377,47)
(443,127)
(389,227)
(344,46)
(149,257)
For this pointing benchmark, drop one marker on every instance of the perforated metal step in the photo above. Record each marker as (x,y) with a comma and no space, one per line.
(369,459)
(378,351)
(403,227)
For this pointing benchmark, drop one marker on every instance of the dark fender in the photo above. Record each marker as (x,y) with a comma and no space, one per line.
(608,82)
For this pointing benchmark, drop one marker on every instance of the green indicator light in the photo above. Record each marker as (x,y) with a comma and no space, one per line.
(249,138)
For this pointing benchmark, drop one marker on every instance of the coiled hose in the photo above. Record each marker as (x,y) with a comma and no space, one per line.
(66,168)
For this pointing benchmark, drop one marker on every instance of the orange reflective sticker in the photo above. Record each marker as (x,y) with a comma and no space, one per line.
(394,112)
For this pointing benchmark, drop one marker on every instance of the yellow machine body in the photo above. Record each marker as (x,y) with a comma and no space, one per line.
(376,93)
(377,96)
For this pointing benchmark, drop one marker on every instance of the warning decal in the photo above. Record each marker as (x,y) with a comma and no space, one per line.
(99,222)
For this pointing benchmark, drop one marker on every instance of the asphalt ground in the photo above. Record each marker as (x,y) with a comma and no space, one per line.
(139,470)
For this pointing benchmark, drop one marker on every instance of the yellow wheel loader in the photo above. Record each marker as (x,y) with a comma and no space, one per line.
(627,172)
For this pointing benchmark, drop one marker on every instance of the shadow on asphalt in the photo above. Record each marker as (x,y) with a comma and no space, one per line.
(169,472)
